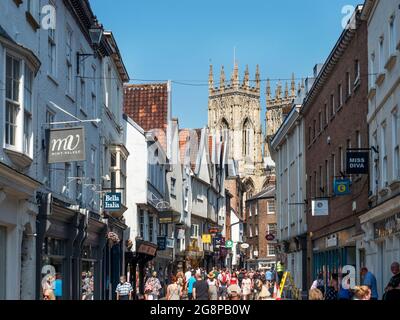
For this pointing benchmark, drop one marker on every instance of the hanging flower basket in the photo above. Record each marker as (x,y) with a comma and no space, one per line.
(112,238)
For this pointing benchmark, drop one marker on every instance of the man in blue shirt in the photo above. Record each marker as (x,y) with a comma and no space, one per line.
(191,282)
(369,280)
(58,287)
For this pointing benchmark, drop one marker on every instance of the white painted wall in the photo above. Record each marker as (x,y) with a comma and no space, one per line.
(136,176)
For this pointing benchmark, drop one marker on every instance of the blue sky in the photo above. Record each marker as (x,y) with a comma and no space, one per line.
(176,39)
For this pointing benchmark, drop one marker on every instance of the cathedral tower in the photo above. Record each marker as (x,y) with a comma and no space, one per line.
(278,108)
(234,107)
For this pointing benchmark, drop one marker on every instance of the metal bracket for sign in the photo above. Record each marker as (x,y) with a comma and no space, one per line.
(77,120)
(364,149)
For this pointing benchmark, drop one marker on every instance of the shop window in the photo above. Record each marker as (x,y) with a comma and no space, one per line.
(53,255)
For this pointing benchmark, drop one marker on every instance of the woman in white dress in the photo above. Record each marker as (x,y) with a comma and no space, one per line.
(246,287)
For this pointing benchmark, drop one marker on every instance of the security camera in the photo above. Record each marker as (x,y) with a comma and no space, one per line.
(106,178)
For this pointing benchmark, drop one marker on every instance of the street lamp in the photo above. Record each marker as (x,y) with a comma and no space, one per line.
(95,34)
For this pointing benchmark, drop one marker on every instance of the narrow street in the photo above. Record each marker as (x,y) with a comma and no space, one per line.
(199,151)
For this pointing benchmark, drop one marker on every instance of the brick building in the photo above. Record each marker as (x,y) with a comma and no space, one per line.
(334,114)
(261,221)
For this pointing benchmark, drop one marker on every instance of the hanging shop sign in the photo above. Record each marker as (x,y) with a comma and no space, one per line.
(229,244)
(161,243)
(270,237)
(341,187)
(320,207)
(146,248)
(181,234)
(170,243)
(218,242)
(112,201)
(206,238)
(66,145)
(357,162)
(244,245)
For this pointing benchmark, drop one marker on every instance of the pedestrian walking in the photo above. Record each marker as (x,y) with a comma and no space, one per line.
(124,289)
(394,282)
(332,290)
(369,280)
(174,290)
(280,269)
(200,288)
(246,287)
(191,282)
(153,287)
(258,285)
(223,280)
(234,292)
(212,286)
(48,287)
(315,294)
(362,293)
(264,292)
(319,283)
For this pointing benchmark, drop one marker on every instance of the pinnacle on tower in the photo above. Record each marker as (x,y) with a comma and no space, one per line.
(246,80)
(293,87)
(222,79)
(268,90)
(235,76)
(278,91)
(286,90)
(211,79)
(258,77)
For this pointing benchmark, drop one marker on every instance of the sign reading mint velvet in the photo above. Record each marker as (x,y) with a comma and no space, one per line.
(112,201)
(66,145)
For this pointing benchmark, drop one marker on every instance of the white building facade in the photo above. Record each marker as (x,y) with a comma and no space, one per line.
(43,80)
(380,244)
(287,150)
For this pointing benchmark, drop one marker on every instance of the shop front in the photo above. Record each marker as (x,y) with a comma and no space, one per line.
(70,251)
(18,210)
(60,229)
(293,253)
(136,260)
(332,252)
(380,245)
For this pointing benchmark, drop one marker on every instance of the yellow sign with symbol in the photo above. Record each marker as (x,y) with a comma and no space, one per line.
(206,238)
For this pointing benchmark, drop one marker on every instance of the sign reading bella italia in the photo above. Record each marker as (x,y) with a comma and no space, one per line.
(66,145)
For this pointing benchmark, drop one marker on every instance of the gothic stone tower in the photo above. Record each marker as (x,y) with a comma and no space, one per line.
(277,109)
(234,107)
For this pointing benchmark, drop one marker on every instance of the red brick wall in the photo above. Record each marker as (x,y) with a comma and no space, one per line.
(262,219)
(343,126)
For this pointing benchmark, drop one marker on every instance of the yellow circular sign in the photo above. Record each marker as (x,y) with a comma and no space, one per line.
(342,188)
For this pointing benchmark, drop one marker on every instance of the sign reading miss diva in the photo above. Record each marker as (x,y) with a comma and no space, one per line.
(357,162)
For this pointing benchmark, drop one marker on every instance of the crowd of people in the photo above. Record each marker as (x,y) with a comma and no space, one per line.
(367,290)
(226,284)
(197,284)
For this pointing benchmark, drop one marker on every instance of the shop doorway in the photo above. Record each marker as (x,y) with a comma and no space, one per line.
(87,279)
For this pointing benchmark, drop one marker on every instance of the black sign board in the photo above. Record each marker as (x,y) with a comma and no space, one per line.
(357,162)
(66,145)
(161,243)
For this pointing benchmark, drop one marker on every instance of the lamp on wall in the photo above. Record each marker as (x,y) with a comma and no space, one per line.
(95,34)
